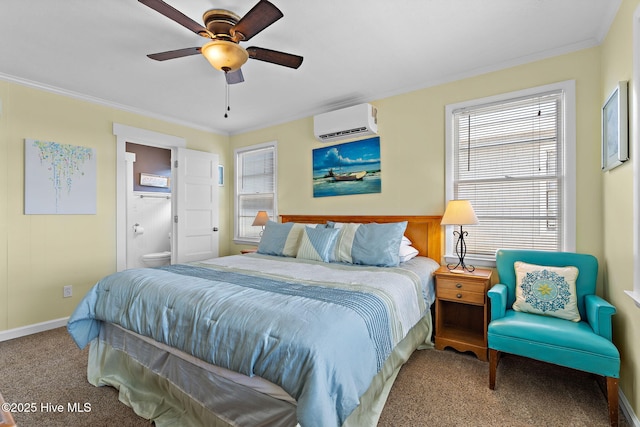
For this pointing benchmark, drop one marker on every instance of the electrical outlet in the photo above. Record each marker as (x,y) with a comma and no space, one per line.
(67,291)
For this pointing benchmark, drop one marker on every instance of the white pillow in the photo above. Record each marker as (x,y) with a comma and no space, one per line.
(549,291)
(407,252)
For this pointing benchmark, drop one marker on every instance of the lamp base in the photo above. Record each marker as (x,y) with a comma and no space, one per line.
(464,267)
(461,251)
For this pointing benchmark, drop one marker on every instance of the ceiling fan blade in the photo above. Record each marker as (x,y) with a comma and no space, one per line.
(234,77)
(275,57)
(257,19)
(177,16)
(172,54)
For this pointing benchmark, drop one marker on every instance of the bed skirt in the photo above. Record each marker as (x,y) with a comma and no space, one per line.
(172,388)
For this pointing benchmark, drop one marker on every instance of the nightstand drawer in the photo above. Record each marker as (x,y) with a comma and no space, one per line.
(461,285)
(460,295)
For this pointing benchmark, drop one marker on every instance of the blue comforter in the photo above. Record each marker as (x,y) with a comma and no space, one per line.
(322,342)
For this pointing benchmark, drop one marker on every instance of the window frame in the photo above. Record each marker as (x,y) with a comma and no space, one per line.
(635,143)
(243,240)
(568,181)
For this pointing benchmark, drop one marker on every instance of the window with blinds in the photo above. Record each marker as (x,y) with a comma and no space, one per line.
(507,158)
(255,189)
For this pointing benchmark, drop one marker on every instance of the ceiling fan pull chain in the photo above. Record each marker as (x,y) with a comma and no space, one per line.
(227,100)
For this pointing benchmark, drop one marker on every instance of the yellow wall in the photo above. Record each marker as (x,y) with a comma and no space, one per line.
(39,254)
(618,189)
(411,128)
(412,135)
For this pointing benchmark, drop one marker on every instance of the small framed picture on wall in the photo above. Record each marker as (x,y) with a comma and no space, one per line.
(615,128)
(151,180)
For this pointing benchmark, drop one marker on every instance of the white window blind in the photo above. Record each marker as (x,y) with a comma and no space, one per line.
(508,161)
(255,189)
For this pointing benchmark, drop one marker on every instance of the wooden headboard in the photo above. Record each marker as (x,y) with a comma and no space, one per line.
(425,232)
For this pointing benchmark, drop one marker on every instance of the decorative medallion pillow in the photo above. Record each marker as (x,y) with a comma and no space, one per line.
(550,291)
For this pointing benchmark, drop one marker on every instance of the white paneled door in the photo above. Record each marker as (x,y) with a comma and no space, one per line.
(195,206)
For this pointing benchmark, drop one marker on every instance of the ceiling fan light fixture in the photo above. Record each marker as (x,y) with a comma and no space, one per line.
(225,55)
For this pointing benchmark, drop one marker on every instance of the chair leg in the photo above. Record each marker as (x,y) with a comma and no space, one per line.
(612,400)
(494,357)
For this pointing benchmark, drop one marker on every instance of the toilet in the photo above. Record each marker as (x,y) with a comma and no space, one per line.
(157,259)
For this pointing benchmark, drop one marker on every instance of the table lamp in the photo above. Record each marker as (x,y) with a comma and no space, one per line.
(460,212)
(261,220)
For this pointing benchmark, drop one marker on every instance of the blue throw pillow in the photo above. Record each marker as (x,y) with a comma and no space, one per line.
(280,239)
(317,243)
(370,244)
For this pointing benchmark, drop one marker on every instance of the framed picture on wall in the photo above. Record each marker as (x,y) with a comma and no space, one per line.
(347,169)
(151,180)
(59,179)
(615,128)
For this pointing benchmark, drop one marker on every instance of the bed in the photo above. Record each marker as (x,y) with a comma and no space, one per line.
(273,338)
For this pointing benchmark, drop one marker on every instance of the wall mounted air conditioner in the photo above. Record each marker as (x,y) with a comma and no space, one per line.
(351,122)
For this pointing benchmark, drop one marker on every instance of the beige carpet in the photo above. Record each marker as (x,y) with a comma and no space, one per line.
(446,388)
(434,388)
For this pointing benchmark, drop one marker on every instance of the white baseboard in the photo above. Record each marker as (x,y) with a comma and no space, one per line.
(628,410)
(32,329)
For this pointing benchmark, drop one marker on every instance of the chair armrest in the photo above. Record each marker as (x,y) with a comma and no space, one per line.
(498,296)
(599,314)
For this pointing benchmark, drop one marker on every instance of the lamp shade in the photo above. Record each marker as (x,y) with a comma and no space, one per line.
(261,219)
(459,212)
(225,55)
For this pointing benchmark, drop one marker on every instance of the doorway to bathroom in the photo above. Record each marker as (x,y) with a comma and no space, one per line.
(193,200)
(149,210)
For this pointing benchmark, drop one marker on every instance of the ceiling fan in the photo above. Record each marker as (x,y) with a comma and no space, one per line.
(226,30)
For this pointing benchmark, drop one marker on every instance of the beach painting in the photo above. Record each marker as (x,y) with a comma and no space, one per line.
(345,169)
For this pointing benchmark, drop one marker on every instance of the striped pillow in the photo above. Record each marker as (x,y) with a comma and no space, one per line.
(369,244)
(317,243)
(280,239)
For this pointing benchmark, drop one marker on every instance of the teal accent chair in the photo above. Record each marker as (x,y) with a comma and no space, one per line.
(585,345)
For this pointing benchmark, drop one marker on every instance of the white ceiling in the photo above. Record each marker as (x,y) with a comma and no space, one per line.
(354,51)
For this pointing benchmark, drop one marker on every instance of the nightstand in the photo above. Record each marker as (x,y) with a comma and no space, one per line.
(462,310)
(248,251)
